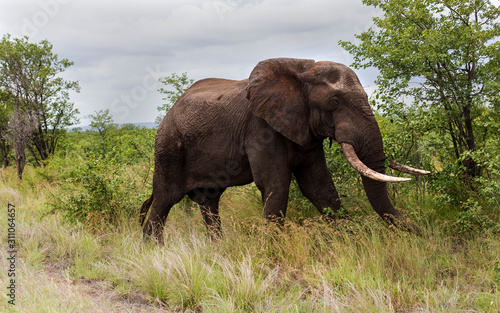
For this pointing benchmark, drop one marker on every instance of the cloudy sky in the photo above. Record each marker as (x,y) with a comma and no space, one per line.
(121,48)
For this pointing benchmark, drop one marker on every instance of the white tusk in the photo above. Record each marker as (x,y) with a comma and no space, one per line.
(364,170)
(406,169)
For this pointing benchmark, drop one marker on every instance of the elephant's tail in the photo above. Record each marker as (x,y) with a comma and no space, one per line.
(145,208)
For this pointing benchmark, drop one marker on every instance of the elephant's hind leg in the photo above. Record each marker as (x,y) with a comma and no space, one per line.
(208,199)
(159,212)
(165,196)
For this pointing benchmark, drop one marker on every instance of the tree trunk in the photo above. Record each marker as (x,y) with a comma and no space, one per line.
(41,146)
(472,168)
(20,162)
(5,149)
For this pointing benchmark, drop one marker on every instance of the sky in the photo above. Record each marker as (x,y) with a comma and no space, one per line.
(121,48)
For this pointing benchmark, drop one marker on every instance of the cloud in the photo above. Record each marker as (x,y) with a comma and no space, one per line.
(120,47)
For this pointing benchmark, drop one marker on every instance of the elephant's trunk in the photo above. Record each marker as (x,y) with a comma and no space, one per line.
(376,191)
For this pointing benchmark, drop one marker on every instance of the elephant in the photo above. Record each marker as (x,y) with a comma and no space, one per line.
(266,129)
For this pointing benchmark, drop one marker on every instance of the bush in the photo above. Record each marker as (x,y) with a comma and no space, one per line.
(470,220)
(100,193)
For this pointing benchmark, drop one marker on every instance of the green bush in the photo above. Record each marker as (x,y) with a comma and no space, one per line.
(470,208)
(132,146)
(470,220)
(100,194)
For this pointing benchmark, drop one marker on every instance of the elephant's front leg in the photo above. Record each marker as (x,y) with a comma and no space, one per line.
(274,192)
(272,175)
(275,198)
(316,184)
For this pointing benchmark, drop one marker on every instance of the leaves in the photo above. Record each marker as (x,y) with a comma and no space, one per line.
(180,84)
(30,84)
(439,57)
(106,194)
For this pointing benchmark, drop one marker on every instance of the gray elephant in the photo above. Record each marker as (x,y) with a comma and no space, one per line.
(223,133)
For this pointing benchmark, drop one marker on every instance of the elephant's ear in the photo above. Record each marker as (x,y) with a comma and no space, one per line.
(276,95)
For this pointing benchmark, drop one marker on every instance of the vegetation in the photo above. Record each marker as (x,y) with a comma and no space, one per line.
(102,122)
(179,84)
(34,100)
(443,57)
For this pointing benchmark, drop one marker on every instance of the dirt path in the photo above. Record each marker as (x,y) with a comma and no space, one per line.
(52,290)
(101,295)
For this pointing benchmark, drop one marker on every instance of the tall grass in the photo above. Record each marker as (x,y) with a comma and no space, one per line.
(357,264)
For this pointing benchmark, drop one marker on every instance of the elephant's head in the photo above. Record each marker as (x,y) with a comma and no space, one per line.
(309,101)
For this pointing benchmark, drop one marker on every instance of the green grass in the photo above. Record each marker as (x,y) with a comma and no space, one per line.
(354,265)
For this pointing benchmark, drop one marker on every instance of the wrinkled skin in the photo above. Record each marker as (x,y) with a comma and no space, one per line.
(223,133)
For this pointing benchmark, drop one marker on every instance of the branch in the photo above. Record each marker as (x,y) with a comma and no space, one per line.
(455,13)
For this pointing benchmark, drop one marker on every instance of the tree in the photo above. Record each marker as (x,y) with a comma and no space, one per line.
(180,84)
(29,73)
(21,124)
(442,56)
(102,122)
(5,112)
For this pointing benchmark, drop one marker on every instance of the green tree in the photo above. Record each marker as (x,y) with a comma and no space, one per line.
(179,84)
(29,72)
(5,112)
(442,56)
(102,122)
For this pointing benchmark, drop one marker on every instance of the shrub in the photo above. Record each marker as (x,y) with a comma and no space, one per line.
(472,219)
(100,193)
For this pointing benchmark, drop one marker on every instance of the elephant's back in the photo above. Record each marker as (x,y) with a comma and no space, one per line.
(211,93)
(211,112)
(209,104)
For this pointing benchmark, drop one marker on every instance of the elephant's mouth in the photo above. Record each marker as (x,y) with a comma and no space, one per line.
(358,165)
